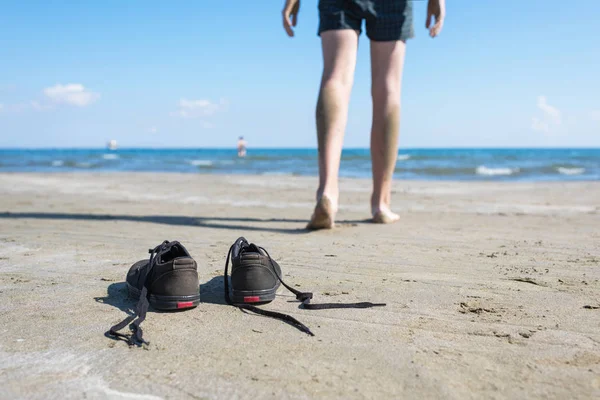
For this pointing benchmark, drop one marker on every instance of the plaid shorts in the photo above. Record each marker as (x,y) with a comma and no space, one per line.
(386,20)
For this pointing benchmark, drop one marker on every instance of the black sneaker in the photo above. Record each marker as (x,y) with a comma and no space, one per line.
(255,278)
(166,281)
(254,275)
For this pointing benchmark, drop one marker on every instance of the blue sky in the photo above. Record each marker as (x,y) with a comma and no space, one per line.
(506,73)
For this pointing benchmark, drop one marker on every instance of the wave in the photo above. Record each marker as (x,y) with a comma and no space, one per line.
(84,165)
(403,157)
(570,171)
(110,156)
(201,163)
(435,171)
(483,170)
(58,163)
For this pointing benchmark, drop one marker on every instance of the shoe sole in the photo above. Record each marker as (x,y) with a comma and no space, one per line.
(253,296)
(167,302)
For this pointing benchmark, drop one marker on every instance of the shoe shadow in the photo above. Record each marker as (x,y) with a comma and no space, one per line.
(212,292)
(117,296)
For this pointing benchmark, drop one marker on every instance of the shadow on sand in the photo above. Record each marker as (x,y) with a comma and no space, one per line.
(212,292)
(232,223)
(117,296)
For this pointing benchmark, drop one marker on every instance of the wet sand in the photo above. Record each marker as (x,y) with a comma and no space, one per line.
(492,290)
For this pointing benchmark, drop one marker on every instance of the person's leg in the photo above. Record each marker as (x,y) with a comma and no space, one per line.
(389,25)
(387,61)
(339,61)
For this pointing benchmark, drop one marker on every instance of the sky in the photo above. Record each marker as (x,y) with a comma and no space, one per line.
(200,73)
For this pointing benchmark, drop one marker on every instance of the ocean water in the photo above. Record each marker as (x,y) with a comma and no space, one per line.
(422,164)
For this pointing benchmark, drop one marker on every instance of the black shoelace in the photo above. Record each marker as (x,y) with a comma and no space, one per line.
(303,297)
(136,337)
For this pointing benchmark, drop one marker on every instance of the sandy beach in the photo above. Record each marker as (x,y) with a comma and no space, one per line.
(492,290)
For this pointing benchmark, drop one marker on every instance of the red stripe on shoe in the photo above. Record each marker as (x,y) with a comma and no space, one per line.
(185,304)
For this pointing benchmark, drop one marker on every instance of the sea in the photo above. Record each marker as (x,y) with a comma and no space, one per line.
(413,164)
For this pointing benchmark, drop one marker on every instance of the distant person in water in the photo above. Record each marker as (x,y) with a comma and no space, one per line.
(241,147)
(388,24)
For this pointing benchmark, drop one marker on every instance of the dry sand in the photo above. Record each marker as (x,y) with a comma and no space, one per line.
(492,290)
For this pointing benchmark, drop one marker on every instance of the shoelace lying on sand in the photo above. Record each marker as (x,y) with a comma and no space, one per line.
(303,297)
(136,338)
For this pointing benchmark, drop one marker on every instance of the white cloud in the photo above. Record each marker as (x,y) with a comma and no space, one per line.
(595,115)
(73,93)
(551,116)
(198,108)
(153,129)
(549,111)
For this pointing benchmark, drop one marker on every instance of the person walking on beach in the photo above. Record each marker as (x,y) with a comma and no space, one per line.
(388,25)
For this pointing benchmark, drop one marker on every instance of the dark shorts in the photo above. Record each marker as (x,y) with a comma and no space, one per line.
(386,20)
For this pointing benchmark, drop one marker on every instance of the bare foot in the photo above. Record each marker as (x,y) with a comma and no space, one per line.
(385,216)
(323,215)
